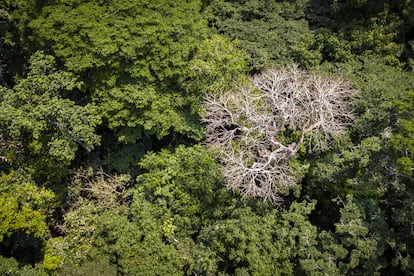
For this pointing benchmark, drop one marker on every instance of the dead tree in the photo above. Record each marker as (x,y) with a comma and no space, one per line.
(247,126)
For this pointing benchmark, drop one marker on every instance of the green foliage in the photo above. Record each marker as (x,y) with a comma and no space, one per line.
(348,250)
(40,129)
(134,111)
(217,65)
(14,46)
(286,243)
(276,32)
(123,158)
(268,244)
(80,225)
(308,51)
(53,252)
(375,166)
(265,29)
(134,72)
(188,183)
(131,56)
(148,40)
(24,206)
(139,246)
(379,201)
(25,216)
(362,28)
(244,243)
(381,86)
(178,194)
(313,49)
(10,267)
(90,194)
(403,140)
(98,267)
(353,232)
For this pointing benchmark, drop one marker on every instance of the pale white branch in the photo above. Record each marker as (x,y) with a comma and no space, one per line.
(248,126)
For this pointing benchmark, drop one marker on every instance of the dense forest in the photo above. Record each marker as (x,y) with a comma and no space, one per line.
(207,137)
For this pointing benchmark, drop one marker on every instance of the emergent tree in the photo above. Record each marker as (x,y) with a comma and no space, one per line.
(257,127)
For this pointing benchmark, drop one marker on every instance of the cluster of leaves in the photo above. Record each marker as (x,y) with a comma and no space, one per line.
(131,56)
(312,32)
(265,29)
(377,167)
(180,197)
(40,129)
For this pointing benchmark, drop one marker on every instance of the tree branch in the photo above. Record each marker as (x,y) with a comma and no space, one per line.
(248,125)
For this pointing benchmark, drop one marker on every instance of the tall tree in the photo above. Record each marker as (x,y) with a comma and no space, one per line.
(41,130)
(14,37)
(25,216)
(131,56)
(375,165)
(265,29)
(260,126)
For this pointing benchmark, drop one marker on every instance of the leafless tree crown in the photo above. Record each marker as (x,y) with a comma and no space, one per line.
(248,126)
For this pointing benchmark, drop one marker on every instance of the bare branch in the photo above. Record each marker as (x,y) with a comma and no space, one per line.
(108,191)
(248,126)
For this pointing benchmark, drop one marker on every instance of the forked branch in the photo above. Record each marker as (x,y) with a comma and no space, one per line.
(252,126)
